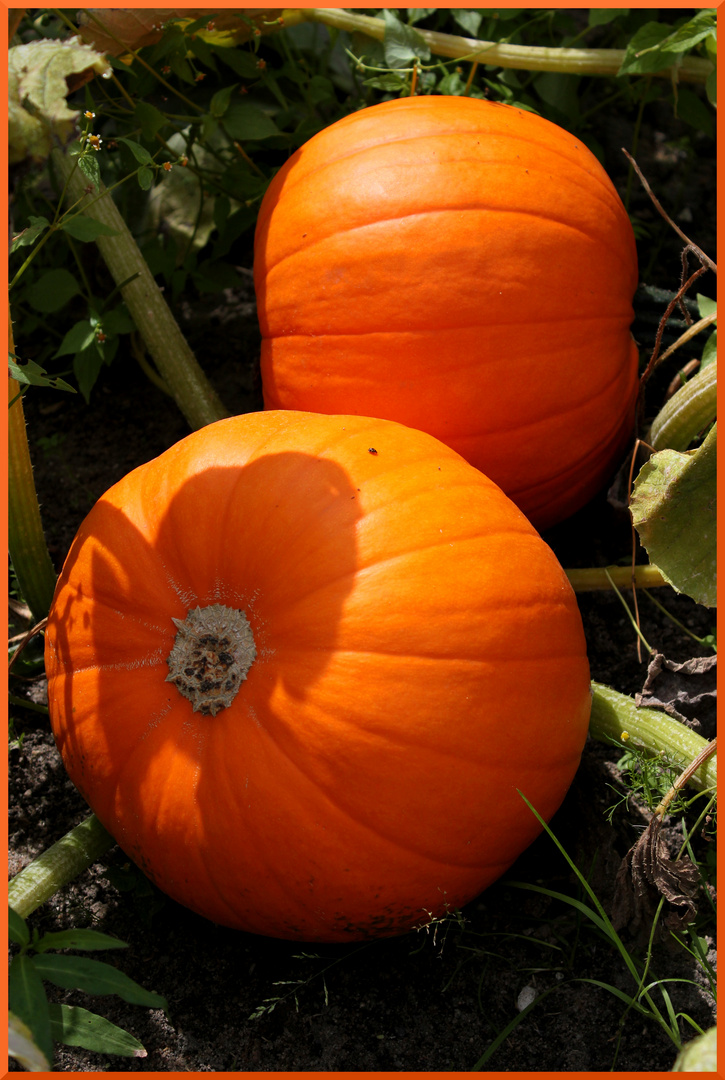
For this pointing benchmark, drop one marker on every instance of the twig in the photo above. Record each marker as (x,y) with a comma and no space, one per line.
(705,259)
(702,757)
(25,639)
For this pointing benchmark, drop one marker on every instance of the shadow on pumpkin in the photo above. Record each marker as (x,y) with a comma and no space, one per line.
(177,789)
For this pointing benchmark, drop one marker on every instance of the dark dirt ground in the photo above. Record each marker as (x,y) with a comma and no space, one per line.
(425,1002)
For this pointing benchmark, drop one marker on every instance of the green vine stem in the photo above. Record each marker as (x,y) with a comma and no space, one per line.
(31,560)
(165,342)
(616,719)
(603,577)
(521,57)
(59,865)
(687,412)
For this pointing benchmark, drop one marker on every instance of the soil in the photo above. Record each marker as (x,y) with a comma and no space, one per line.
(433,1000)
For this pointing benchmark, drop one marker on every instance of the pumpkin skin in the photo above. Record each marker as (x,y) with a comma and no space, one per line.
(462,267)
(420,656)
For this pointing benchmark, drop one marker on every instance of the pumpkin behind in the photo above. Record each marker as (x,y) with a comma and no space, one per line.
(417,657)
(463,267)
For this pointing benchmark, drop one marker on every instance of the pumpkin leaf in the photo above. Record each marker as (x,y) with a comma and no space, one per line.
(674,511)
(402,44)
(38,114)
(74,1026)
(94,977)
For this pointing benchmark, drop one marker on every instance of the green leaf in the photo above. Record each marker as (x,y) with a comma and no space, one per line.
(709,353)
(17,928)
(79,337)
(52,290)
(32,374)
(468,19)
(691,33)
(94,977)
(241,62)
(602,16)
(220,101)
(30,233)
(78,939)
(674,511)
(145,178)
(74,1026)
(87,364)
(642,54)
(150,119)
(86,228)
(248,122)
(695,112)
(28,1002)
(88,164)
(402,44)
(706,306)
(118,321)
(23,1047)
(139,152)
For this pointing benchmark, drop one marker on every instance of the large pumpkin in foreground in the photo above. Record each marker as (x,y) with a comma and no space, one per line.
(299,666)
(465,268)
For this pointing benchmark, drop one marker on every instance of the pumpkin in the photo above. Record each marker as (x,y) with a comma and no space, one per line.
(300,667)
(462,267)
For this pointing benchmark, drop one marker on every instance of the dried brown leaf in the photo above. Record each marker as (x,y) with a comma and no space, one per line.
(648,873)
(688,691)
(133,28)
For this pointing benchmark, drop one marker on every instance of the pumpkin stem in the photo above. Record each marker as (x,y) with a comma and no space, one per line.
(212,654)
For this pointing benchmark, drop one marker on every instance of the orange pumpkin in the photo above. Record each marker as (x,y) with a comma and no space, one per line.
(299,665)
(465,268)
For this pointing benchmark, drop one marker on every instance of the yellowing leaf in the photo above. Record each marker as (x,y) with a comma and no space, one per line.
(119,29)
(674,511)
(38,113)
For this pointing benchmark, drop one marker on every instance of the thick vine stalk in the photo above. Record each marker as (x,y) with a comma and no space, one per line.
(521,57)
(591,578)
(691,409)
(58,866)
(616,719)
(31,560)
(165,342)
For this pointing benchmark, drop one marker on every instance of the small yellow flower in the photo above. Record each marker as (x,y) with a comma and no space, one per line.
(95,141)
(89,115)
(167,166)
(261,64)
(624,736)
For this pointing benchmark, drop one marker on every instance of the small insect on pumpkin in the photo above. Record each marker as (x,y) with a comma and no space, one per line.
(463,267)
(308,714)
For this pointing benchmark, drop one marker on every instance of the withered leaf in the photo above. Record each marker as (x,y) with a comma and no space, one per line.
(646,874)
(686,691)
